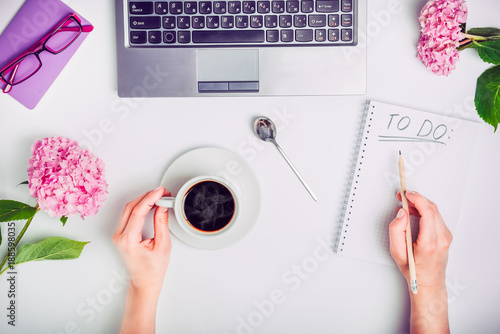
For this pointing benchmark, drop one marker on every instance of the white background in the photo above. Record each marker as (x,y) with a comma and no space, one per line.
(216,291)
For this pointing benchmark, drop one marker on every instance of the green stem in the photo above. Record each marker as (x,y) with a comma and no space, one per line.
(14,245)
(475,37)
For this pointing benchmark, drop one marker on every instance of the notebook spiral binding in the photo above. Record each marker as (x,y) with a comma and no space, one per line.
(350,179)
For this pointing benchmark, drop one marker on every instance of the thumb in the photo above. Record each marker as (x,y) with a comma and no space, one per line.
(162,235)
(397,237)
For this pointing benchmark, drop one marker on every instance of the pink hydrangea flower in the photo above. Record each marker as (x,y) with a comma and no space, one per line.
(67,179)
(440,22)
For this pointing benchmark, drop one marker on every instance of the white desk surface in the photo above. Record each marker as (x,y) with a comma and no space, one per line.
(212,291)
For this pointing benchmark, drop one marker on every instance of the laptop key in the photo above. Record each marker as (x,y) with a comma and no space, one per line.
(227,21)
(183,22)
(220,7)
(292,6)
(212,22)
(278,6)
(154,37)
(333,35)
(138,37)
(323,6)
(169,37)
(347,35)
(169,22)
(299,21)
(228,36)
(318,20)
(161,7)
(256,21)
(263,7)
(241,21)
(304,35)
(333,20)
(248,7)
(320,35)
(145,22)
(141,8)
(198,22)
(234,7)
(273,36)
(285,21)
(287,35)
(190,7)
(175,7)
(346,20)
(346,5)
(271,21)
(307,6)
(205,7)
(184,36)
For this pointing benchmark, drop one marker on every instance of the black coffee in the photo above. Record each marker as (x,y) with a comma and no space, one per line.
(209,206)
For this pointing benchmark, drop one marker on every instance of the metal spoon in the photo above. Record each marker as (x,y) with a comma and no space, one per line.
(266,130)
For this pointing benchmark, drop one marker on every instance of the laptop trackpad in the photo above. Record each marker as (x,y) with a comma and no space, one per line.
(226,71)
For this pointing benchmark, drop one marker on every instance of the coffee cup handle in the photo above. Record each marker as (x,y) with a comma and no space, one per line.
(166,202)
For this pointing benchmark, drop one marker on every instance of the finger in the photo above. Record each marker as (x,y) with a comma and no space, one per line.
(162,236)
(126,213)
(397,238)
(138,215)
(413,210)
(430,216)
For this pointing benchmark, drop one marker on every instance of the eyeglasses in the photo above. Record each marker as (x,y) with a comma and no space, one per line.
(56,41)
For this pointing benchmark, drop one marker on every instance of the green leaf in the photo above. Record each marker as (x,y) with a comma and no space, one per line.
(25,182)
(53,248)
(63,220)
(489,51)
(12,210)
(485,32)
(487,99)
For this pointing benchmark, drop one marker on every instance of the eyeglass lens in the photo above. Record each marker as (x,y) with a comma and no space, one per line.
(64,36)
(21,70)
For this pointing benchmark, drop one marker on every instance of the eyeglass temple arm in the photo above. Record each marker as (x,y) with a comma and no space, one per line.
(88,28)
(84,28)
(8,88)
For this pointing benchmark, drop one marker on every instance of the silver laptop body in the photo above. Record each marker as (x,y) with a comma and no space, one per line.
(252,70)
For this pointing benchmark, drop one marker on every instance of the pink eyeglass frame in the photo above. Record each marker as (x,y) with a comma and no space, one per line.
(40,46)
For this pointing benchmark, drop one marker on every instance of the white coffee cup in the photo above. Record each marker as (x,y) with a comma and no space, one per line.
(205,205)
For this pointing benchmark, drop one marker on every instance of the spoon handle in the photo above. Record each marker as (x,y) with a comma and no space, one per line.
(296,171)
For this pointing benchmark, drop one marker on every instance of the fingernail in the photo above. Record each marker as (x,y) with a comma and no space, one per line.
(410,192)
(163,209)
(158,188)
(401,213)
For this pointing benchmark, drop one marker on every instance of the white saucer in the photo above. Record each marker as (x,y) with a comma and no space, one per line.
(225,164)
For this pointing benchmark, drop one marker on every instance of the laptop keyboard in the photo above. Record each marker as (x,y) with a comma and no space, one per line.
(242,23)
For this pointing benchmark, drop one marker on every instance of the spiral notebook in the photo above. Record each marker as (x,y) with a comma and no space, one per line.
(437,152)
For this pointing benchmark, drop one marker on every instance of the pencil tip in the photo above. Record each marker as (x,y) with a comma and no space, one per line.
(399,152)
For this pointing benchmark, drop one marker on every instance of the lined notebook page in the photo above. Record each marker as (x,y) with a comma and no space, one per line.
(436,150)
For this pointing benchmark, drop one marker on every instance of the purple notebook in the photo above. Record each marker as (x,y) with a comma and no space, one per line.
(32,22)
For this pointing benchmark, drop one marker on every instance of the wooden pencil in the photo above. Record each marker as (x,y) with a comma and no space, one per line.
(409,241)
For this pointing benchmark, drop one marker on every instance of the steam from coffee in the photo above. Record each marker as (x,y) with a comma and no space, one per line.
(209,206)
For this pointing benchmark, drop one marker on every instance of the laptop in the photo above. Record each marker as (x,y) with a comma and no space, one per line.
(187,48)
